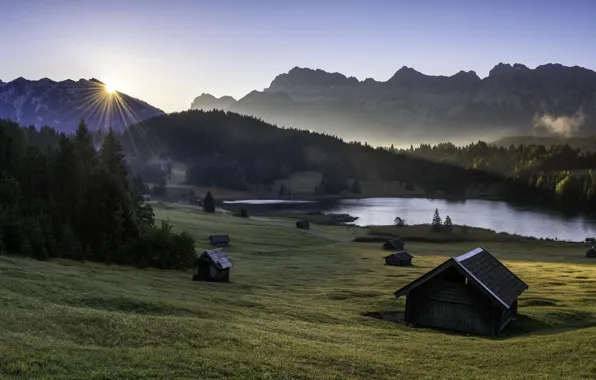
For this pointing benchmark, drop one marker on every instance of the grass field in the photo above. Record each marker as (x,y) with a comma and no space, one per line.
(295,309)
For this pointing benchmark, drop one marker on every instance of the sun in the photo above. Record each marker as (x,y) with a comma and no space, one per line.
(110,89)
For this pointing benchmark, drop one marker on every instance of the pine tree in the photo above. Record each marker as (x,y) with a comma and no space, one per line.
(113,158)
(436,223)
(448,224)
(209,203)
(84,147)
(68,246)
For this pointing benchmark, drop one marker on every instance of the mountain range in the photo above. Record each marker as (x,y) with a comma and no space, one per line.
(411,106)
(63,104)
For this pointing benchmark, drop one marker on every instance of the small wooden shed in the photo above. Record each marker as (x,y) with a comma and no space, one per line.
(219,239)
(399,259)
(394,245)
(212,265)
(473,293)
(591,254)
(303,224)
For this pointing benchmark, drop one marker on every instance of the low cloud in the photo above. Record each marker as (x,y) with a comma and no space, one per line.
(560,125)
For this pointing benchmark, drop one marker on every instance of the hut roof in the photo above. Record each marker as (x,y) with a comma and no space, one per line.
(395,243)
(483,270)
(219,238)
(402,255)
(218,257)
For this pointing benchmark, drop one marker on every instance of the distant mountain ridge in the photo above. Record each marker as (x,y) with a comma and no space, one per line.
(63,104)
(512,99)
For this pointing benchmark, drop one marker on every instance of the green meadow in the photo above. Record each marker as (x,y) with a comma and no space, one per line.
(297,307)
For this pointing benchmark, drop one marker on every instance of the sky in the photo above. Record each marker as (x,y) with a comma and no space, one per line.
(168,52)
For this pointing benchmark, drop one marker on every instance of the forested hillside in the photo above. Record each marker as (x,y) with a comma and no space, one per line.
(564,173)
(60,197)
(232,151)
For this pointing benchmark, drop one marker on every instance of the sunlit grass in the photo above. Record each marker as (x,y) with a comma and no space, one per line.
(294,310)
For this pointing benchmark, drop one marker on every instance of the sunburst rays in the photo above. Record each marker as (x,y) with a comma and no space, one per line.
(104,108)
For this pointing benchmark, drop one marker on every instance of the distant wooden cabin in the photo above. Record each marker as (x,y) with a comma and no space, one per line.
(212,265)
(473,293)
(591,241)
(303,224)
(219,239)
(591,254)
(399,259)
(394,245)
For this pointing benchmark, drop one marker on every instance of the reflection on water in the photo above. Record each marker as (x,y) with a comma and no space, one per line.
(498,216)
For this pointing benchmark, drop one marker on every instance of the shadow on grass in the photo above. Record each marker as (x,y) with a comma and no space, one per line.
(552,322)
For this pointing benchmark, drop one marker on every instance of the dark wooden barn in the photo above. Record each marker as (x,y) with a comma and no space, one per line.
(591,253)
(399,259)
(473,293)
(219,239)
(394,245)
(212,265)
(303,224)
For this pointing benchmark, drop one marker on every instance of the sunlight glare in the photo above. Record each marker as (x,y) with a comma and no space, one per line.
(110,89)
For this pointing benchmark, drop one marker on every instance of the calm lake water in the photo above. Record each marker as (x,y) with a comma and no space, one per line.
(498,216)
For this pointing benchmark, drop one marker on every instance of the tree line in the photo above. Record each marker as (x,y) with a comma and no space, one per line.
(224,149)
(60,196)
(561,174)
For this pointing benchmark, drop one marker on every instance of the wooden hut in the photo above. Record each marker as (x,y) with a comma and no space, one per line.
(212,265)
(303,224)
(219,239)
(399,259)
(591,254)
(473,293)
(394,245)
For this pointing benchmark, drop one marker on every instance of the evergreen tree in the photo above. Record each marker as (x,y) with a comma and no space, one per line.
(68,245)
(448,224)
(113,158)
(436,223)
(282,190)
(209,203)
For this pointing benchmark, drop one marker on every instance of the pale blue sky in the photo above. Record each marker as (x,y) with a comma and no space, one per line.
(168,52)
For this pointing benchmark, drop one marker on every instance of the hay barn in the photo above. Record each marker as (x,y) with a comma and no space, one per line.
(212,265)
(219,239)
(303,224)
(473,293)
(394,245)
(399,259)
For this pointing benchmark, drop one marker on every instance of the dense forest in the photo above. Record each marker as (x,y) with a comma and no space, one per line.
(564,173)
(60,196)
(233,151)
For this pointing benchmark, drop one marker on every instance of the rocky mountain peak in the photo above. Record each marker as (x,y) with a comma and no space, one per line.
(63,104)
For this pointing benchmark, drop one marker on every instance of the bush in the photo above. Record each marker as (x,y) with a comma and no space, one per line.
(399,222)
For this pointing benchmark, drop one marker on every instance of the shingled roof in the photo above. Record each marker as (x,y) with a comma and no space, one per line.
(402,255)
(218,257)
(482,269)
(397,244)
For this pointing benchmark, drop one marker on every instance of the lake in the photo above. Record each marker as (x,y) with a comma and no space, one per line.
(498,216)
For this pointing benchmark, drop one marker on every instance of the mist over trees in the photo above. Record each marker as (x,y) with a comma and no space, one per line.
(60,197)
(228,150)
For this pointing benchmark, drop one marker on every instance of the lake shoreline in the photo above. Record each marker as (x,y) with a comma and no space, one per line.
(499,216)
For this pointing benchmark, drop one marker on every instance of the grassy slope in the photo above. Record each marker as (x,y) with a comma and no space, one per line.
(289,312)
